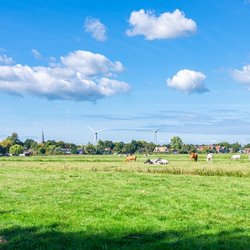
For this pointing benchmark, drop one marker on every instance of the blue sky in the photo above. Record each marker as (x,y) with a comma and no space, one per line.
(130,67)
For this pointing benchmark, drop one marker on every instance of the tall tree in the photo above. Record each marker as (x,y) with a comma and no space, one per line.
(14,139)
(176,143)
(28,142)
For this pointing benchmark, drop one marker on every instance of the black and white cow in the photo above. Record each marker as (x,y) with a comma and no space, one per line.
(158,161)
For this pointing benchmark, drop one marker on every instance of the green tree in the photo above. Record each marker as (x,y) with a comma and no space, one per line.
(100,147)
(73,148)
(118,147)
(176,143)
(247,145)
(130,148)
(3,149)
(50,149)
(60,144)
(90,149)
(149,147)
(41,149)
(188,148)
(14,139)
(224,144)
(34,146)
(16,149)
(236,147)
(134,145)
(108,145)
(27,143)
(7,144)
(49,143)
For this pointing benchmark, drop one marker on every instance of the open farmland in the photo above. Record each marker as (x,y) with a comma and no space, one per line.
(101,202)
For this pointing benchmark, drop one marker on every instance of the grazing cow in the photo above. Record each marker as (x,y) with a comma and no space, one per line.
(194,156)
(148,161)
(235,157)
(158,161)
(130,158)
(162,161)
(210,157)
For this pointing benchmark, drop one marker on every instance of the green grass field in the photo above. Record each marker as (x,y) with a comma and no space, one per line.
(101,202)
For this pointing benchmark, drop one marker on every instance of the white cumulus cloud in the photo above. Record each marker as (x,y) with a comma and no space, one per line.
(80,76)
(89,63)
(95,28)
(188,81)
(4,59)
(242,76)
(165,26)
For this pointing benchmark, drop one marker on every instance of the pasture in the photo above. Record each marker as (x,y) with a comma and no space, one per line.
(103,202)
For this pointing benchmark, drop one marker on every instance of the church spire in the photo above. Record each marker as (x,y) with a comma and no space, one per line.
(43,141)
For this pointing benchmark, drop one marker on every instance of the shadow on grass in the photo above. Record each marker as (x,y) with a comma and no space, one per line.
(2,212)
(51,238)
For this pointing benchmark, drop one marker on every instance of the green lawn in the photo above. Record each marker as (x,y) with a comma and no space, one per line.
(101,202)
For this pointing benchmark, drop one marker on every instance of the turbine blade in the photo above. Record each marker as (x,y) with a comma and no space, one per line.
(92,129)
(160,128)
(100,130)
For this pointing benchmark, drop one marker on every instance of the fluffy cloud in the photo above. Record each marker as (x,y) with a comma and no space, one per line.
(90,64)
(167,25)
(6,60)
(95,28)
(80,76)
(188,81)
(36,54)
(242,76)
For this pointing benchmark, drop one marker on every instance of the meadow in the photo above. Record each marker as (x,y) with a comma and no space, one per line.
(101,202)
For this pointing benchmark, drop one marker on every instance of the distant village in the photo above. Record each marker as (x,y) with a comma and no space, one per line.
(13,146)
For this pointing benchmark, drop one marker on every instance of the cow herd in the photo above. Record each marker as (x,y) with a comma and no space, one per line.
(193,157)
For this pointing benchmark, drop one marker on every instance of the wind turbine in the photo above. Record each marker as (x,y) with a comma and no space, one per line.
(95,132)
(155,134)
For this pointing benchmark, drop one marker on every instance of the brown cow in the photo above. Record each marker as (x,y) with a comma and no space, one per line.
(130,158)
(194,156)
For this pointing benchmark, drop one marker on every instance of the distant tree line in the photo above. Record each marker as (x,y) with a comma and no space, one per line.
(14,146)
(177,145)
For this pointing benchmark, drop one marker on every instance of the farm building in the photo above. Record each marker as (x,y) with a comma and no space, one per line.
(161,150)
(247,150)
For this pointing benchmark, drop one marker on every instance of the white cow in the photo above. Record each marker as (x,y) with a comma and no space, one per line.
(210,157)
(235,157)
(161,161)
(158,161)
